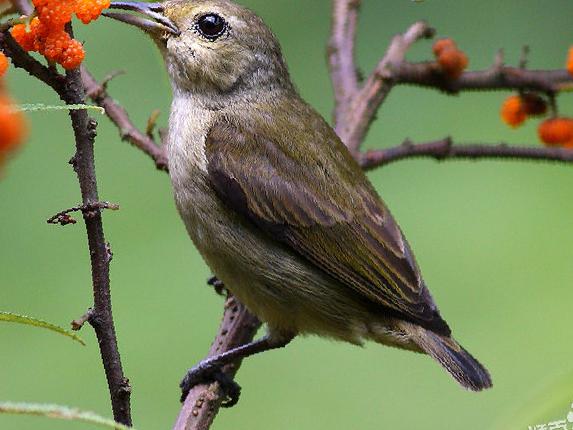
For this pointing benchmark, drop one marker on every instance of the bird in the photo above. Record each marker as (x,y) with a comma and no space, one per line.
(274,201)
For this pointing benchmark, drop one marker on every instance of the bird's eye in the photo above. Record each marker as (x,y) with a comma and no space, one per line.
(211,26)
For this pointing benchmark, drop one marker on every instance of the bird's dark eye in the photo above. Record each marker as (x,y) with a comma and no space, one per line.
(211,26)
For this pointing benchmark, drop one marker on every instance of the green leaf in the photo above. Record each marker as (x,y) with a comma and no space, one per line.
(42,107)
(59,412)
(22,319)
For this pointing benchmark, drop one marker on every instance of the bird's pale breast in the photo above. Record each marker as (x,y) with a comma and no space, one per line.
(284,290)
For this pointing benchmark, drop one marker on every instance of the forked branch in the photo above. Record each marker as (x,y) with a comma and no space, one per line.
(70,89)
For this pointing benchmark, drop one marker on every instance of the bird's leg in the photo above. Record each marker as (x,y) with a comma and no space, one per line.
(210,369)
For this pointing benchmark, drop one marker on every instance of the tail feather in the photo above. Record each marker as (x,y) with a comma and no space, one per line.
(459,363)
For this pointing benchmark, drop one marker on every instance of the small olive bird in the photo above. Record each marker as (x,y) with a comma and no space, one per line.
(275,203)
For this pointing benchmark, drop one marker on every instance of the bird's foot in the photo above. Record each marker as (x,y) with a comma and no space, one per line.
(218,285)
(206,372)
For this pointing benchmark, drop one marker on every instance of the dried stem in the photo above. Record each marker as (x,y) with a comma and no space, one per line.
(120,118)
(445,149)
(64,218)
(78,324)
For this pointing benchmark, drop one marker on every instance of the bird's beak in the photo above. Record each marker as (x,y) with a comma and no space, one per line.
(153,22)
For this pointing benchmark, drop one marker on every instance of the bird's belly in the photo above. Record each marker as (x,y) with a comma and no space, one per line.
(280,287)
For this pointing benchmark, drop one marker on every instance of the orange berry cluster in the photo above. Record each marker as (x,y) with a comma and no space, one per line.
(516,109)
(47,34)
(451,59)
(12,126)
(555,131)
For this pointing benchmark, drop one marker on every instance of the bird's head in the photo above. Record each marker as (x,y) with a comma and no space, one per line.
(210,45)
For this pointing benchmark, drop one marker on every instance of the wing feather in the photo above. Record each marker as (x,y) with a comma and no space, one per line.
(330,216)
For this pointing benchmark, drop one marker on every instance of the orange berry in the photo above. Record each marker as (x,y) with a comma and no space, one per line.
(56,43)
(443,44)
(570,61)
(556,131)
(73,56)
(3,63)
(56,13)
(88,10)
(12,127)
(47,33)
(38,29)
(24,38)
(453,62)
(513,111)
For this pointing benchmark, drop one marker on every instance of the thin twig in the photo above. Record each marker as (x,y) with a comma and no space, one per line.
(445,149)
(102,318)
(71,90)
(23,6)
(361,110)
(77,324)
(119,116)
(22,60)
(64,218)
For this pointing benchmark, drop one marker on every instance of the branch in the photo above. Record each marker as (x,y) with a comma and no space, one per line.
(498,77)
(71,90)
(361,110)
(101,319)
(238,326)
(22,60)
(119,116)
(64,218)
(343,69)
(356,107)
(23,6)
(445,149)
(202,404)
(96,92)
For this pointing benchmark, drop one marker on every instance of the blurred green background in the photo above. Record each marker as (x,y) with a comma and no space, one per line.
(494,240)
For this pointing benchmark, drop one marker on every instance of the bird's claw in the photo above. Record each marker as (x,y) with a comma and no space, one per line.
(201,374)
(216,284)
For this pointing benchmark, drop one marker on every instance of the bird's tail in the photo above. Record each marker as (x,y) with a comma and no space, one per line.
(459,363)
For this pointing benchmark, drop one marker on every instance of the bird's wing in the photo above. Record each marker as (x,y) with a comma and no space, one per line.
(323,207)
